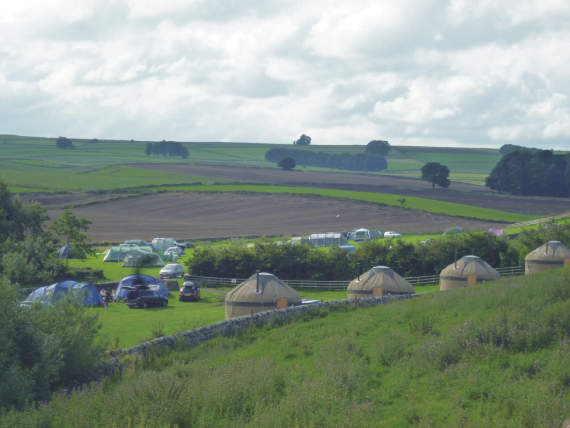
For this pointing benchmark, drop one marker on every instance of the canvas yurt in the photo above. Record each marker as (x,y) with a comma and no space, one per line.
(260,292)
(552,255)
(378,281)
(467,271)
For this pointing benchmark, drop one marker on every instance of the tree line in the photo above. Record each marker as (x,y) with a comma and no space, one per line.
(303,262)
(531,172)
(357,162)
(167,148)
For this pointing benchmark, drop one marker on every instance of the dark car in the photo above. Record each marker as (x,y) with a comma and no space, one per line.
(189,291)
(144,297)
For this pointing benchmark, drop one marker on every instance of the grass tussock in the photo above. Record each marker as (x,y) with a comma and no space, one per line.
(492,355)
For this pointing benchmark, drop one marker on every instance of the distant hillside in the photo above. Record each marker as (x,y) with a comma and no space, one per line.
(468,165)
(491,355)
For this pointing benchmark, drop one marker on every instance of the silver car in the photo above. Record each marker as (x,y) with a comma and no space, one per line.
(172,270)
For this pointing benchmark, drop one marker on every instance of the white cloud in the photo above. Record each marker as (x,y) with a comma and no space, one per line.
(435,71)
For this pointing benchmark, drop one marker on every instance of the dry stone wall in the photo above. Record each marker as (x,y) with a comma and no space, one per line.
(234,325)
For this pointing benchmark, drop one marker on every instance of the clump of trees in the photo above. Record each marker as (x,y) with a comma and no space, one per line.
(532,173)
(64,143)
(167,148)
(358,162)
(378,147)
(287,163)
(303,140)
(436,174)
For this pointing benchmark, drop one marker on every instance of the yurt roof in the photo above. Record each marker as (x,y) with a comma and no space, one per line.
(382,276)
(471,265)
(270,289)
(552,250)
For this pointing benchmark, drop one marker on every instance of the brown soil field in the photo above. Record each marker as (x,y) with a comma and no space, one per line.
(458,192)
(223,215)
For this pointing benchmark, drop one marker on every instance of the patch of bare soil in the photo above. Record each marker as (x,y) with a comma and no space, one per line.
(224,215)
(462,193)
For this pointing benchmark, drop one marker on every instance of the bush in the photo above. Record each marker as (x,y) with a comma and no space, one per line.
(42,348)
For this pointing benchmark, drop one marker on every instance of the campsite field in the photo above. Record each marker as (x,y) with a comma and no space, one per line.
(491,355)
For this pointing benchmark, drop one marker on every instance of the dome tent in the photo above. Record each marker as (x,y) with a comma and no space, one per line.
(260,292)
(134,280)
(378,281)
(86,294)
(139,258)
(467,271)
(552,255)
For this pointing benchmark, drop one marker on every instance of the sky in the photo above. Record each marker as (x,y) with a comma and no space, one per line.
(423,72)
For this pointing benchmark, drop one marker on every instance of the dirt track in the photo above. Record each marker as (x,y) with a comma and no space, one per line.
(217,215)
(458,192)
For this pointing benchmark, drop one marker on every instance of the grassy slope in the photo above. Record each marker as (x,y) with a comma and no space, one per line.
(492,355)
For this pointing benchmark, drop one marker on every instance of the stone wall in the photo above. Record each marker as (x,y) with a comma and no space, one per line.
(234,325)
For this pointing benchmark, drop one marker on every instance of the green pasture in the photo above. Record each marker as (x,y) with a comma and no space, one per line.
(462,162)
(82,178)
(488,356)
(412,202)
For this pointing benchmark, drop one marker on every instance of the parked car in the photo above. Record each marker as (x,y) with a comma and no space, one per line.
(144,297)
(172,270)
(179,251)
(189,291)
(392,234)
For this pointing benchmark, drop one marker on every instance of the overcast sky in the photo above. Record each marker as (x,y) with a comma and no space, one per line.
(458,73)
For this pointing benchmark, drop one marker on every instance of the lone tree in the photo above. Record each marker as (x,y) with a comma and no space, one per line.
(436,173)
(378,147)
(69,229)
(63,143)
(287,163)
(304,140)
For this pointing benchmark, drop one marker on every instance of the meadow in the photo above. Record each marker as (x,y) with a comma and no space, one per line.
(35,164)
(492,355)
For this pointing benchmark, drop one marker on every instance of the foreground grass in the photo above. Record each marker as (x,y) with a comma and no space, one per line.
(492,355)
(412,202)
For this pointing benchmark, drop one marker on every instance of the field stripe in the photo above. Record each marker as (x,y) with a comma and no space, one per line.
(412,202)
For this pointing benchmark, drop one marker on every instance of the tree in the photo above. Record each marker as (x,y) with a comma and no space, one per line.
(63,143)
(304,140)
(436,173)
(532,173)
(378,147)
(287,163)
(69,229)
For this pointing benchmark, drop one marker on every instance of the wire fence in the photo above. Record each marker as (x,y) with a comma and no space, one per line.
(211,281)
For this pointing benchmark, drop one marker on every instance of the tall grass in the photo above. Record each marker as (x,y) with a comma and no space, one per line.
(492,355)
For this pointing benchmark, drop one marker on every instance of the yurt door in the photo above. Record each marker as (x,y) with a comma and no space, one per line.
(472,279)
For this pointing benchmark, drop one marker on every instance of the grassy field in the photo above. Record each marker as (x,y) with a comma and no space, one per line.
(23,157)
(412,202)
(491,355)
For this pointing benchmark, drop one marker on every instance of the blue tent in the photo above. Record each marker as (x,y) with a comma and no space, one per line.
(131,280)
(86,294)
(65,252)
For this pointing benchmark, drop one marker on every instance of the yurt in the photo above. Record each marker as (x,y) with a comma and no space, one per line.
(260,292)
(467,271)
(378,281)
(552,255)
